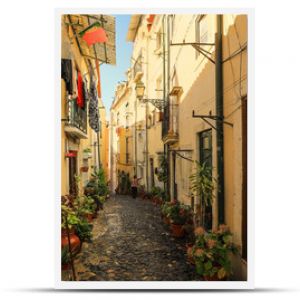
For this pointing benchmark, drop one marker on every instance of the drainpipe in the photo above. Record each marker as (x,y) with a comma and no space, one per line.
(135,135)
(173,156)
(166,184)
(219,113)
(147,112)
(166,64)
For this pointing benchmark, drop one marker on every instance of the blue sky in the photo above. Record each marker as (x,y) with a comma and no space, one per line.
(110,75)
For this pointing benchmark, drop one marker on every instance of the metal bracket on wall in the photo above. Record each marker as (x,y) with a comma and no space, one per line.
(158,103)
(197,47)
(211,117)
(65,120)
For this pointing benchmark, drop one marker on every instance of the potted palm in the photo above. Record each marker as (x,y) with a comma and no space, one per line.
(203,186)
(211,253)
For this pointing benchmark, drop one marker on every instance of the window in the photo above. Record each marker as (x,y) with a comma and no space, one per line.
(201,30)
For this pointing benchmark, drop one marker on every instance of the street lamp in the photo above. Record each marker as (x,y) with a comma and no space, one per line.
(140,90)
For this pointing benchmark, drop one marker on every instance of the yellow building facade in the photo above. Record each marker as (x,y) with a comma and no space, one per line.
(79,143)
(121,140)
(197,64)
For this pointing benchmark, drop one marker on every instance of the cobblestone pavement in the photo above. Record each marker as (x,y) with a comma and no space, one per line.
(130,242)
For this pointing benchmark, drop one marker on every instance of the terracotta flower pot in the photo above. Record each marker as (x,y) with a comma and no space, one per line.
(74,241)
(177,230)
(213,278)
(66,267)
(84,169)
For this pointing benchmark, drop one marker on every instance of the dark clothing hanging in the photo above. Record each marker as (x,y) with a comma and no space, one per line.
(93,108)
(66,74)
(85,92)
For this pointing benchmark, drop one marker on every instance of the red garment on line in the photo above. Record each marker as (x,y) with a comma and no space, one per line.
(98,75)
(95,36)
(80,98)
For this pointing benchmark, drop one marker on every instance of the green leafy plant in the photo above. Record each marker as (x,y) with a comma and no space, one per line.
(68,217)
(203,183)
(84,230)
(98,182)
(211,252)
(156,191)
(178,213)
(162,171)
(65,256)
(165,208)
(84,205)
(75,216)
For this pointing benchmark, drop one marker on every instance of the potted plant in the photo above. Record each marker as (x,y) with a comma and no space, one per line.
(178,214)
(156,195)
(203,186)
(87,153)
(162,170)
(165,212)
(84,230)
(84,169)
(211,253)
(68,235)
(85,207)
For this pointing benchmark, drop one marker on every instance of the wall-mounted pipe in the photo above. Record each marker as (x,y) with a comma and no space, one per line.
(219,114)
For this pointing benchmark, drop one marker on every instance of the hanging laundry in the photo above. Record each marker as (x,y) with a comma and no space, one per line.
(94,34)
(80,97)
(99,78)
(93,107)
(85,91)
(66,74)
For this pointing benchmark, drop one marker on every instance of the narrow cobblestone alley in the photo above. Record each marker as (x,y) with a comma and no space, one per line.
(130,242)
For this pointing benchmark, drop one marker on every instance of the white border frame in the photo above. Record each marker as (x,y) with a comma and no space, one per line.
(163,285)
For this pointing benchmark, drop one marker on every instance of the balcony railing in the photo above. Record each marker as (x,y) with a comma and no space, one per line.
(76,123)
(170,122)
